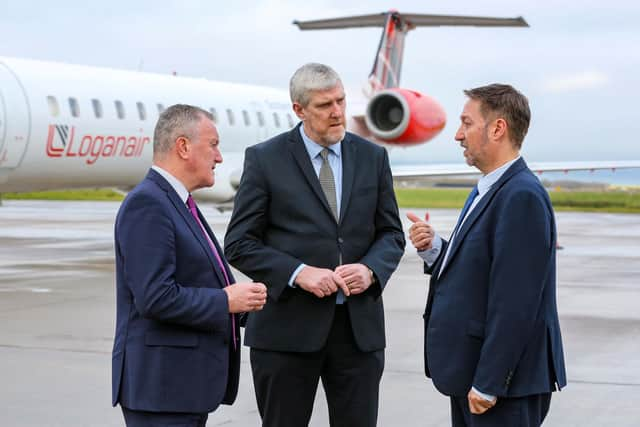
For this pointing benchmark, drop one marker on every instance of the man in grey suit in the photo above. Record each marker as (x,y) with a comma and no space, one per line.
(316,220)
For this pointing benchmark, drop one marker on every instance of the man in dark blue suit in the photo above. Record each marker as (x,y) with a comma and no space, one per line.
(316,220)
(176,352)
(492,336)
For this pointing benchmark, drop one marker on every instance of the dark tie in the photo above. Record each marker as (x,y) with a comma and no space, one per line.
(465,209)
(327,182)
(194,211)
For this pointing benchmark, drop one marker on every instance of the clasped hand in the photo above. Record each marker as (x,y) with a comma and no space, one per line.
(353,279)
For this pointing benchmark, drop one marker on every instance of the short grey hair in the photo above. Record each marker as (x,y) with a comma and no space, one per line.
(310,77)
(174,122)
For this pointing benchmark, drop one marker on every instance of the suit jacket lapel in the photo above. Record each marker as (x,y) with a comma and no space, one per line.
(301,156)
(479,209)
(220,252)
(349,157)
(183,210)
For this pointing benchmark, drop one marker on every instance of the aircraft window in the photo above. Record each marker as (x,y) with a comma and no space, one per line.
(142,112)
(276,119)
(260,118)
(119,109)
(54,109)
(74,107)
(290,120)
(97,108)
(160,108)
(214,113)
(245,116)
(232,119)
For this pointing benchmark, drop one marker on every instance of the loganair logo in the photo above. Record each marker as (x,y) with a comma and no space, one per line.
(63,142)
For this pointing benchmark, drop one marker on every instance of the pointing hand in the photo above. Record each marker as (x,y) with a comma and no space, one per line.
(420,233)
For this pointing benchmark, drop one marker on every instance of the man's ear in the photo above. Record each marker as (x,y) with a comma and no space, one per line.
(299,110)
(499,129)
(182,147)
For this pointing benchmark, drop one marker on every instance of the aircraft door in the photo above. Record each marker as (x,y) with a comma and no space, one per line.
(14,119)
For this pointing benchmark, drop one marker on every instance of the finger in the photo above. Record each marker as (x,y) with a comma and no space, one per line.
(331,285)
(423,241)
(413,217)
(473,408)
(346,272)
(356,290)
(350,278)
(342,284)
(344,268)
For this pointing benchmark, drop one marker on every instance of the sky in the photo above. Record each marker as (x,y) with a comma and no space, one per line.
(578,63)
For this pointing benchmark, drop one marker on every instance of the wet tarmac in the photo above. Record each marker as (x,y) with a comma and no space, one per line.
(57,321)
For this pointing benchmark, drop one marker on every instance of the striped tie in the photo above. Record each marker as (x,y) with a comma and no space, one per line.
(327,182)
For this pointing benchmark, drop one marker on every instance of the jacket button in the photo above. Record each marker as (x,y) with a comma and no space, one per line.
(340,240)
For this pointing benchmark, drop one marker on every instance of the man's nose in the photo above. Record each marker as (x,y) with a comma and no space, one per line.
(459,135)
(336,110)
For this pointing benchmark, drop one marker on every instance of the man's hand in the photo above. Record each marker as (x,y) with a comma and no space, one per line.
(421,233)
(356,276)
(321,282)
(478,404)
(246,296)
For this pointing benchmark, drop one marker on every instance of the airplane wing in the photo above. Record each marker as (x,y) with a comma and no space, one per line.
(417,172)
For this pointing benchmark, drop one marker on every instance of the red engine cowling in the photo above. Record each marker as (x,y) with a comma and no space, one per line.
(404,117)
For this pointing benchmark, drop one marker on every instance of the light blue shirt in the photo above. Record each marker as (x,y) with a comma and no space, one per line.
(431,255)
(484,185)
(335,161)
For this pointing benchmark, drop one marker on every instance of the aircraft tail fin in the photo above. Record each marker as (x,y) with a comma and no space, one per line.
(388,61)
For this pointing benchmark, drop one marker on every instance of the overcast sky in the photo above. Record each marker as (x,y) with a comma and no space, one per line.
(579,63)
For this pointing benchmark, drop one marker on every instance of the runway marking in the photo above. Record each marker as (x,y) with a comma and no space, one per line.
(65,350)
(33,290)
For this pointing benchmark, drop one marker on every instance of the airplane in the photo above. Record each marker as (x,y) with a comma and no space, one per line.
(73,126)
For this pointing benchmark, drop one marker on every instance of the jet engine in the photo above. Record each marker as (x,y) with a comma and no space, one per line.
(404,117)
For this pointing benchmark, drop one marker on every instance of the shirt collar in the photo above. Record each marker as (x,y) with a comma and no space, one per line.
(178,186)
(485,183)
(313,148)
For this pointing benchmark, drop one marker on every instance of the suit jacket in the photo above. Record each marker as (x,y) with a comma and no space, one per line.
(281,218)
(491,318)
(172,349)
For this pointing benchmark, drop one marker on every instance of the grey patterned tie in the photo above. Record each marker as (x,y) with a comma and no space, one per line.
(327,182)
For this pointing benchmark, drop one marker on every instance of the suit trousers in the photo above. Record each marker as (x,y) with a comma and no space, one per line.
(162,419)
(527,411)
(286,382)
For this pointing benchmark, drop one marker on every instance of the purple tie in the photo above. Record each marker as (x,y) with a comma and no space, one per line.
(194,211)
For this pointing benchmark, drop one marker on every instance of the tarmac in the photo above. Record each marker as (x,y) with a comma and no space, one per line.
(57,312)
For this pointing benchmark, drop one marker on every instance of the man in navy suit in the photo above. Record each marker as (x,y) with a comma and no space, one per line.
(492,336)
(316,220)
(176,352)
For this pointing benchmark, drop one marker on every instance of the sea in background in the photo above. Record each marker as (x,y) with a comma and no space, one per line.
(622,177)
